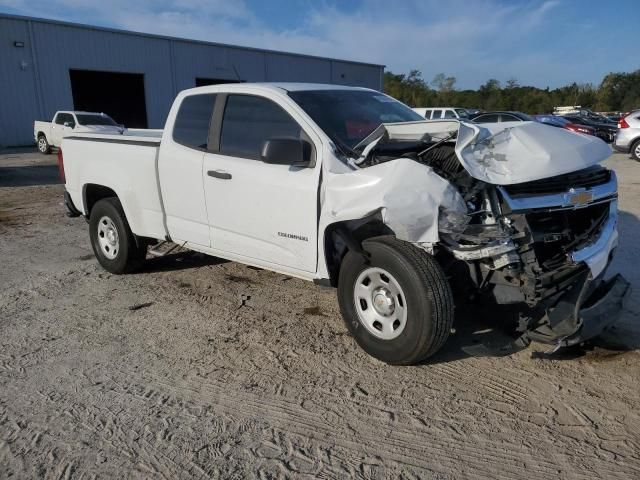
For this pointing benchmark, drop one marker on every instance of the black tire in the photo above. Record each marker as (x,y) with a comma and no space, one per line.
(635,150)
(428,300)
(43,145)
(128,256)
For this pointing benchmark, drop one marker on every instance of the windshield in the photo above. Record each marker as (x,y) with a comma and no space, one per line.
(348,116)
(84,119)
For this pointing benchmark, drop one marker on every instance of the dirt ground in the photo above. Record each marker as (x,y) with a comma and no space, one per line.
(197,367)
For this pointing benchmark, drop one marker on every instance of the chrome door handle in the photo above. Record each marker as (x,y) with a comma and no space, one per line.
(219,174)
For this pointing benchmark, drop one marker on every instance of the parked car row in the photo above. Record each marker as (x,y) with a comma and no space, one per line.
(575,119)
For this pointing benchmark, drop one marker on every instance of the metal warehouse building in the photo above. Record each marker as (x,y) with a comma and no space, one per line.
(48,65)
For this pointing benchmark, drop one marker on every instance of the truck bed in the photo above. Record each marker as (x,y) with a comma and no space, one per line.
(128,164)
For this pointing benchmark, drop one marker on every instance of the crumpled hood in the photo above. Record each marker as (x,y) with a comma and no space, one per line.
(505,154)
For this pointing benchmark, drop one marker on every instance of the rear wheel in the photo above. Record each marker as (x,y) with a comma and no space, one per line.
(398,305)
(112,241)
(43,145)
(635,151)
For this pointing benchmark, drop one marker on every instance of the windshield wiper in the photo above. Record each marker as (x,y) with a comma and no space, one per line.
(345,149)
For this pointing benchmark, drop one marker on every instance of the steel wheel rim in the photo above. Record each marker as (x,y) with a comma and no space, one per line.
(637,151)
(42,144)
(380,303)
(108,238)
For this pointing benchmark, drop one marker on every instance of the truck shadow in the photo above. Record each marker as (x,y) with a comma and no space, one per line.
(29,176)
(183,260)
(482,330)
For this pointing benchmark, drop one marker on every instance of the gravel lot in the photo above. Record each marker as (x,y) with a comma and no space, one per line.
(222,370)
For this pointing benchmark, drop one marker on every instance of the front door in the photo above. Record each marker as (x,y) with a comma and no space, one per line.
(257,210)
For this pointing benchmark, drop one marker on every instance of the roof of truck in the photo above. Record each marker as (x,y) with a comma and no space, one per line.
(288,87)
(82,112)
(297,87)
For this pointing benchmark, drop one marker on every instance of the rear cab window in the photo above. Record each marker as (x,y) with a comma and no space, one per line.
(61,118)
(249,121)
(193,120)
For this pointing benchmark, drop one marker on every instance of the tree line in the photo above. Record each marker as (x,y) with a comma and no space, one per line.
(618,92)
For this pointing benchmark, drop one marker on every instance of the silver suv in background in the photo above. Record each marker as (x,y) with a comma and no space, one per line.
(628,136)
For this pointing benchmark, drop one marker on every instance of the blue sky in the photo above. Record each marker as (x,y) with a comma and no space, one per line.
(538,42)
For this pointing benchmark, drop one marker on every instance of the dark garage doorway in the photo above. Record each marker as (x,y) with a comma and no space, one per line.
(203,82)
(119,95)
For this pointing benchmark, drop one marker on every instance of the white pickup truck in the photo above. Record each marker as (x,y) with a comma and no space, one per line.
(349,188)
(64,123)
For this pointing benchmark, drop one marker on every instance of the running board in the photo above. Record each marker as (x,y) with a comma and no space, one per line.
(164,248)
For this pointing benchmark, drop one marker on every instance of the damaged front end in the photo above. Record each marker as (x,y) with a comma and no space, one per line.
(546,245)
(538,223)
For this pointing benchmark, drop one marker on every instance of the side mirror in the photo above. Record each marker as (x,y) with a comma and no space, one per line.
(287,151)
(66,124)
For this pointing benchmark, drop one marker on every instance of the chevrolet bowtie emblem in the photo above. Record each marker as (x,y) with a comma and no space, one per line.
(578,198)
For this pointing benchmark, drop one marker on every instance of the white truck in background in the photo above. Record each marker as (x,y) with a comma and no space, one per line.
(349,188)
(64,123)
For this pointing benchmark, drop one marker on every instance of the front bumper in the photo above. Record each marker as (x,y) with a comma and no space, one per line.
(583,312)
(590,304)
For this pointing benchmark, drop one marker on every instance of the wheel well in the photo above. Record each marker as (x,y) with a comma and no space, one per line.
(41,134)
(91,193)
(340,237)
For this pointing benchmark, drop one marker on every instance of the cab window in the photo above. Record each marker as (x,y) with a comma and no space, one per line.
(191,128)
(249,121)
(61,118)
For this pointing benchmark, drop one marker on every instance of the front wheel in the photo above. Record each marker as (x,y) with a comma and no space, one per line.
(398,303)
(112,241)
(43,145)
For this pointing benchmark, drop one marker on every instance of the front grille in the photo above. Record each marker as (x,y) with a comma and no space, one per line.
(558,233)
(587,178)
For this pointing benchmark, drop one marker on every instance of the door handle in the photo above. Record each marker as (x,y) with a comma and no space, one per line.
(219,174)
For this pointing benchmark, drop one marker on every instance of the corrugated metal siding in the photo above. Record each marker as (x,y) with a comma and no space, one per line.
(210,61)
(18,93)
(169,65)
(62,47)
(345,73)
(281,68)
